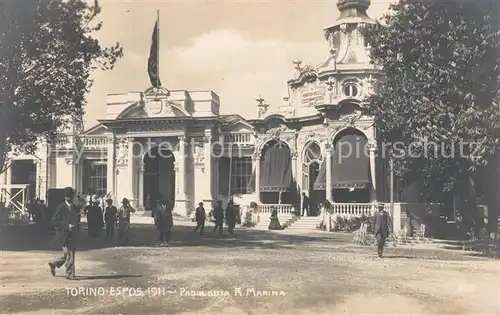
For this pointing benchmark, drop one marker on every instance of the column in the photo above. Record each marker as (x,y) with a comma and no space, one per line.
(373,150)
(256,160)
(295,175)
(182,166)
(208,167)
(181,201)
(140,197)
(328,173)
(8,179)
(294,166)
(110,177)
(130,171)
(39,180)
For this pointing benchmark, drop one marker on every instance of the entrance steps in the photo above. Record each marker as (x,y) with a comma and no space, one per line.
(264,220)
(304,224)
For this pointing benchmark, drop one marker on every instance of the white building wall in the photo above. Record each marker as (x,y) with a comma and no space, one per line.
(63,172)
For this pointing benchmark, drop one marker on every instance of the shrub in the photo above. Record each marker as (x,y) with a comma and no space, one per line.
(352,224)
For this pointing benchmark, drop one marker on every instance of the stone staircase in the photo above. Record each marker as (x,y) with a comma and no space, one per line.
(304,224)
(292,223)
(285,220)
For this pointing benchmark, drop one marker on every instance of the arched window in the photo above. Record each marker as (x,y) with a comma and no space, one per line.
(310,166)
(312,153)
(350,90)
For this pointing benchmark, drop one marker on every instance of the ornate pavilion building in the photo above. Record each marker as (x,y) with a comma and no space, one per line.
(177,144)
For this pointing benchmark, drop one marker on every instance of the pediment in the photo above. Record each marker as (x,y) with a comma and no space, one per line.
(153,108)
(239,126)
(96,130)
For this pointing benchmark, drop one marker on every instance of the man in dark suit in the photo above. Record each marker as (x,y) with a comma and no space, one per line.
(218,216)
(201,216)
(230,217)
(382,227)
(65,222)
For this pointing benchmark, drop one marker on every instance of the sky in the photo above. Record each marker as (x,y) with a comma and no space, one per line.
(238,49)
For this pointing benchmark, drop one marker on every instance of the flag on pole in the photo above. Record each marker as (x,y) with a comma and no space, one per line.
(153,62)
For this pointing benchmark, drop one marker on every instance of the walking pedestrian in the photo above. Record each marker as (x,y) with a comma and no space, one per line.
(230,217)
(65,222)
(201,216)
(382,227)
(218,217)
(163,221)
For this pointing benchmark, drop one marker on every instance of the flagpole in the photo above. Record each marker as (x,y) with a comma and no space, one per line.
(158,49)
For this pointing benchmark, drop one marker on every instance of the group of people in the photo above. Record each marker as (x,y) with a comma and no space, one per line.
(219,214)
(109,217)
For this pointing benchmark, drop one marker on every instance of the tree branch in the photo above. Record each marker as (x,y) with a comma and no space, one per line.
(5,168)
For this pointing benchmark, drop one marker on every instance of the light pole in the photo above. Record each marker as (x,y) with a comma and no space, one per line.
(391,169)
(39,186)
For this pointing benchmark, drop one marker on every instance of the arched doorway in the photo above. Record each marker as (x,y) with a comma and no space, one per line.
(310,170)
(159,174)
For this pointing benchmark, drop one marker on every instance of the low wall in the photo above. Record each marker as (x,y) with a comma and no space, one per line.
(413,214)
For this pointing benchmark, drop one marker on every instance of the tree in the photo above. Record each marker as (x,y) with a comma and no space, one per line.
(48,53)
(441,65)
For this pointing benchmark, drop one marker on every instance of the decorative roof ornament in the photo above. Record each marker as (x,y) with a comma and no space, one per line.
(297,64)
(343,28)
(330,83)
(262,106)
(334,52)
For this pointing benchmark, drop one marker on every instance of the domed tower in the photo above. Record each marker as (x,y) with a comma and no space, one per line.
(345,39)
(346,75)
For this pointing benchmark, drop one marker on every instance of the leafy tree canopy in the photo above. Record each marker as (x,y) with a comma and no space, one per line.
(441,65)
(48,53)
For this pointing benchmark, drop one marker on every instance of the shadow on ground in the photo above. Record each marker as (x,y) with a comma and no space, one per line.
(30,238)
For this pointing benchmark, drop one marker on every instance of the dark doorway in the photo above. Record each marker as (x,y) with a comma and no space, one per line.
(315,196)
(159,175)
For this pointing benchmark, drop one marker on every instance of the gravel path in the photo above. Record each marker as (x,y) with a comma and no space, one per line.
(254,272)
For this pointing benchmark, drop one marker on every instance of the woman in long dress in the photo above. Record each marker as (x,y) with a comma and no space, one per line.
(94,219)
(275,222)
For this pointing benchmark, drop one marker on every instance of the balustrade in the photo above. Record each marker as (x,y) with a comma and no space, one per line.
(282,208)
(353,209)
(95,142)
(243,138)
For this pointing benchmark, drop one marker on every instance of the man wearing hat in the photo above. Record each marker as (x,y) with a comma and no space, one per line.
(218,216)
(65,221)
(201,216)
(382,227)
(110,218)
(124,221)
